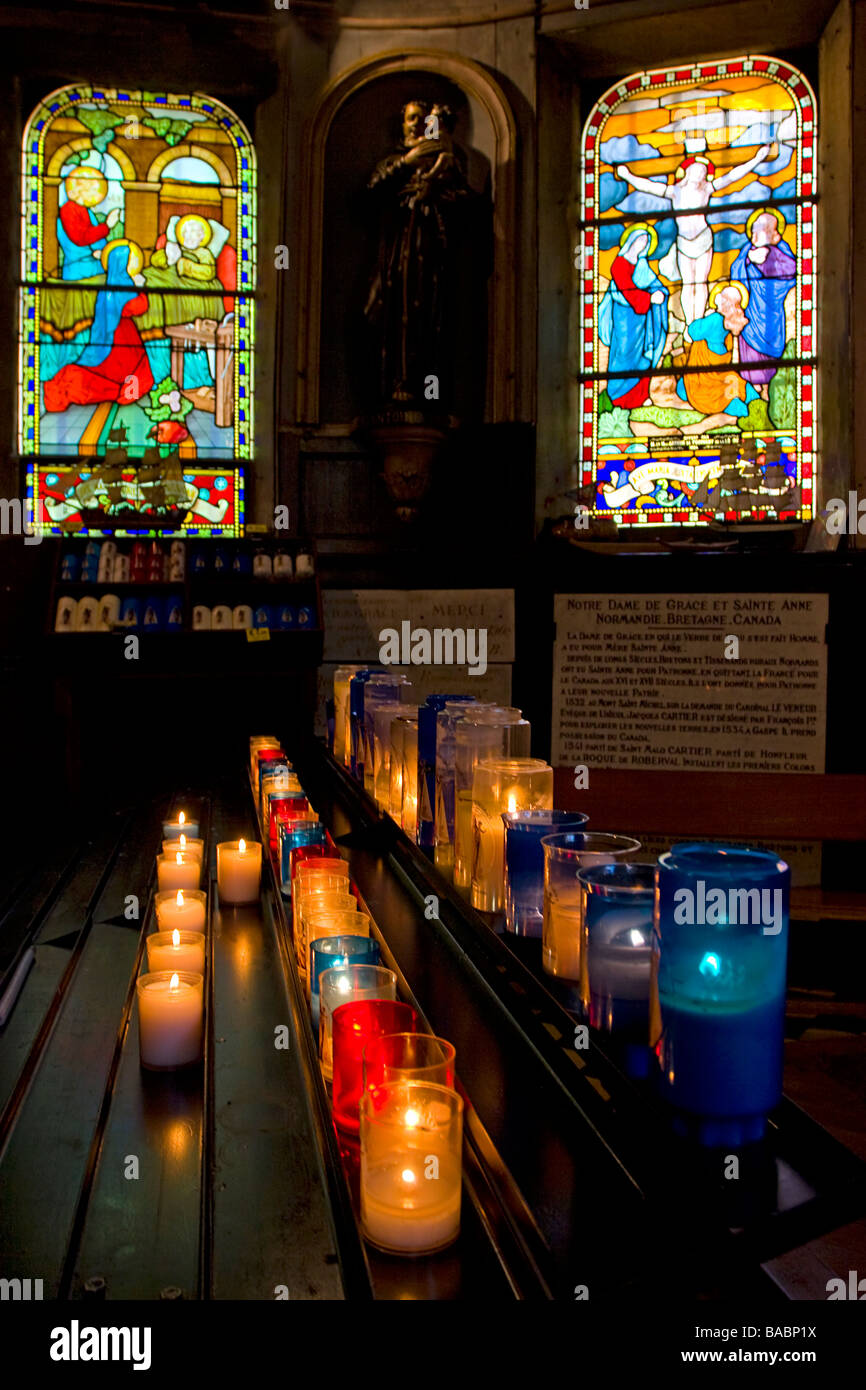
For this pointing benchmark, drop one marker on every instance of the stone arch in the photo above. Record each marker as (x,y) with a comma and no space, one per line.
(476,81)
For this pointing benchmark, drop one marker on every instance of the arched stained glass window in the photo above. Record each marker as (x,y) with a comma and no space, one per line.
(137,328)
(696,256)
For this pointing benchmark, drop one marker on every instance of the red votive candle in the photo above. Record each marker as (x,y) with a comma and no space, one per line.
(353,1025)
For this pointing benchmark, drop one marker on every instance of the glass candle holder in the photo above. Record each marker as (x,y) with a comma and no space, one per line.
(408,1057)
(276,777)
(176,870)
(185,844)
(239,871)
(308,867)
(352,1025)
(500,785)
(308,893)
(325,922)
(337,953)
(411,1170)
(170,1019)
(336,899)
(342,677)
(336,988)
(282,810)
(262,758)
(175,950)
(524,864)
(305,834)
(185,909)
(379,690)
(181,825)
(383,716)
(395,775)
(446,754)
(428,728)
(615,956)
(491,733)
(564,857)
(357,692)
(409,802)
(717,1001)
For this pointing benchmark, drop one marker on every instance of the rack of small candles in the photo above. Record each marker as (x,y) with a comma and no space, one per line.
(394,1104)
(455,775)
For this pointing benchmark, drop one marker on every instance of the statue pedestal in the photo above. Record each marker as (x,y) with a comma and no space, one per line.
(407,447)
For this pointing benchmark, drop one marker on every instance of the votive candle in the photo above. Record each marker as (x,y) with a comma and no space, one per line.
(185,909)
(239,871)
(170,1019)
(176,950)
(176,870)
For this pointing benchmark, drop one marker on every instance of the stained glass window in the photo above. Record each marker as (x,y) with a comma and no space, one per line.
(696,260)
(137,317)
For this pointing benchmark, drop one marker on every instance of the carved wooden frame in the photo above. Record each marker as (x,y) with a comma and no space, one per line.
(474,79)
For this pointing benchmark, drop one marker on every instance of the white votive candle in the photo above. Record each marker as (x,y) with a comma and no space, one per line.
(170,1019)
(171,829)
(411,1143)
(176,950)
(239,871)
(185,910)
(187,844)
(176,870)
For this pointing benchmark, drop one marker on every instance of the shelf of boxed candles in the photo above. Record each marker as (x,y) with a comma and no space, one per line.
(392,1085)
(171,587)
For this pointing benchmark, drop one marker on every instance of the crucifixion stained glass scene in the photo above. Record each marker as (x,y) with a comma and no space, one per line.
(136,316)
(696,260)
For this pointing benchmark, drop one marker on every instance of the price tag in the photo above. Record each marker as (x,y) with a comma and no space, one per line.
(258,634)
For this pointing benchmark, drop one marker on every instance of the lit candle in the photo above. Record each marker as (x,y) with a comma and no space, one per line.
(170,1018)
(177,870)
(172,829)
(185,910)
(176,950)
(411,1180)
(187,844)
(501,785)
(239,871)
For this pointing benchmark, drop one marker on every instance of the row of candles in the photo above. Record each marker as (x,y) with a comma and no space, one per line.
(171,989)
(392,1084)
(697,1006)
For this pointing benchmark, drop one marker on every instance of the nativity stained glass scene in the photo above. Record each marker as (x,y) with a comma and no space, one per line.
(696,258)
(136,315)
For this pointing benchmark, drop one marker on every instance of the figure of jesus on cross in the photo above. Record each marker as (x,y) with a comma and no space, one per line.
(690,258)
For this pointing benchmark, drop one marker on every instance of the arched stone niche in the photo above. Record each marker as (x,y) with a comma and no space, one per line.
(356,123)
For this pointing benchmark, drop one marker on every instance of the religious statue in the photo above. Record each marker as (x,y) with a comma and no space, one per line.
(423,195)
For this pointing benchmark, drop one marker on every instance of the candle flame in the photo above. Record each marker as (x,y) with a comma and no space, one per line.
(407,1175)
(411,1118)
(183,842)
(512,803)
(174,982)
(242,844)
(175,937)
(180,897)
(181,820)
(179,857)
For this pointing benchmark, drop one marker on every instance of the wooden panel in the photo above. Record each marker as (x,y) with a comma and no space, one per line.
(798,806)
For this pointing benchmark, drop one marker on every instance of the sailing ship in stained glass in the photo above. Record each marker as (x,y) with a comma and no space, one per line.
(137,333)
(696,256)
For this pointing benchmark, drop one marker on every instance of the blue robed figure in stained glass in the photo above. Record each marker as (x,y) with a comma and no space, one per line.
(633,317)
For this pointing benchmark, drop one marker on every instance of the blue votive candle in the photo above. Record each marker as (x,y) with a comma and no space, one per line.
(717,1001)
(615,956)
(524,864)
(293,834)
(328,952)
